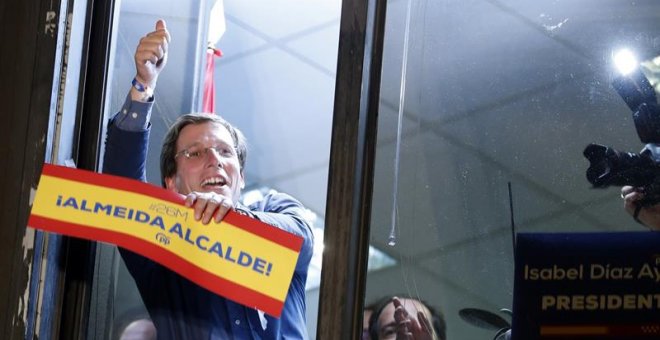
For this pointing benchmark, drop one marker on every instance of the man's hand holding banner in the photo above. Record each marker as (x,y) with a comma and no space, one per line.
(241,258)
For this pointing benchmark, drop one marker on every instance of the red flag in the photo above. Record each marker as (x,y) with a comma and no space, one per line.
(208,103)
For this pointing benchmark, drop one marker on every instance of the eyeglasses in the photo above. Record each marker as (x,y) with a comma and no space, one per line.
(199,154)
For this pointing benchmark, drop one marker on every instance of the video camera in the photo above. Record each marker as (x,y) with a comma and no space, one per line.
(609,167)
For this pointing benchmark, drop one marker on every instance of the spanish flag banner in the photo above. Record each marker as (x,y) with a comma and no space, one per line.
(241,258)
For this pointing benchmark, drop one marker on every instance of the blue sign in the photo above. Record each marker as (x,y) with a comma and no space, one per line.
(587,286)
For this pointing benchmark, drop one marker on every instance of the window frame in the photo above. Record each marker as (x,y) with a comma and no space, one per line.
(350,173)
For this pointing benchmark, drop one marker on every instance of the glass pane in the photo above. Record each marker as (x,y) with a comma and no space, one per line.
(480,96)
(274,81)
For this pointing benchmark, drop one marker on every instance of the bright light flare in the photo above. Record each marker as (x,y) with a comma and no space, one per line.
(625,61)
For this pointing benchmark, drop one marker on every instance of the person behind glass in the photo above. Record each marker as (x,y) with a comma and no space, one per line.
(406,319)
(648,216)
(366,314)
(202,158)
(139,329)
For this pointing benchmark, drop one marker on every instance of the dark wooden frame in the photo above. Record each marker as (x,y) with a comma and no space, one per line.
(27,63)
(350,182)
(27,66)
(80,254)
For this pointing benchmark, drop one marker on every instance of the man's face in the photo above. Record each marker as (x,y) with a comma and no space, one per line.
(386,323)
(206,170)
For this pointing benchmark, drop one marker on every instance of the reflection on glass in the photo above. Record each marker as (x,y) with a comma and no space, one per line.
(476,95)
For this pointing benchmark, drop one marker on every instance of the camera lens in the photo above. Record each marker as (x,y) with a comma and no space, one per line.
(610,167)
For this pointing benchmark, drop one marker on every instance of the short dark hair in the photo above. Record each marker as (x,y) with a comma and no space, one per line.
(437,319)
(168,151)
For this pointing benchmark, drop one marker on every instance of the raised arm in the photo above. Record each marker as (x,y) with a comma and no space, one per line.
(150,59)
(128,130)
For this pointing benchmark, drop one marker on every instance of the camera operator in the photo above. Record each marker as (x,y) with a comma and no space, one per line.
(648,216)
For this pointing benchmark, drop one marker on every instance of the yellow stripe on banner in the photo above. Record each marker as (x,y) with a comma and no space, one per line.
(221,249)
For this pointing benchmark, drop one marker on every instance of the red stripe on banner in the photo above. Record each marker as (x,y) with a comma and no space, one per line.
(249,224)
(284,238)
(218,285)
(111,181)
(600,330)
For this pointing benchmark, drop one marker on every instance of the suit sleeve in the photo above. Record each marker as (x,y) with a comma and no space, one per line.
(127,140)
(126,153)
(285,212)
(126,156)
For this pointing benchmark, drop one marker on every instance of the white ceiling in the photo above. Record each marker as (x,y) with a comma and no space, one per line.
(496,92)
(279,89)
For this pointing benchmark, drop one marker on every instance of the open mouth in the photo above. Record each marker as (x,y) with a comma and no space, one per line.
(214,182)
